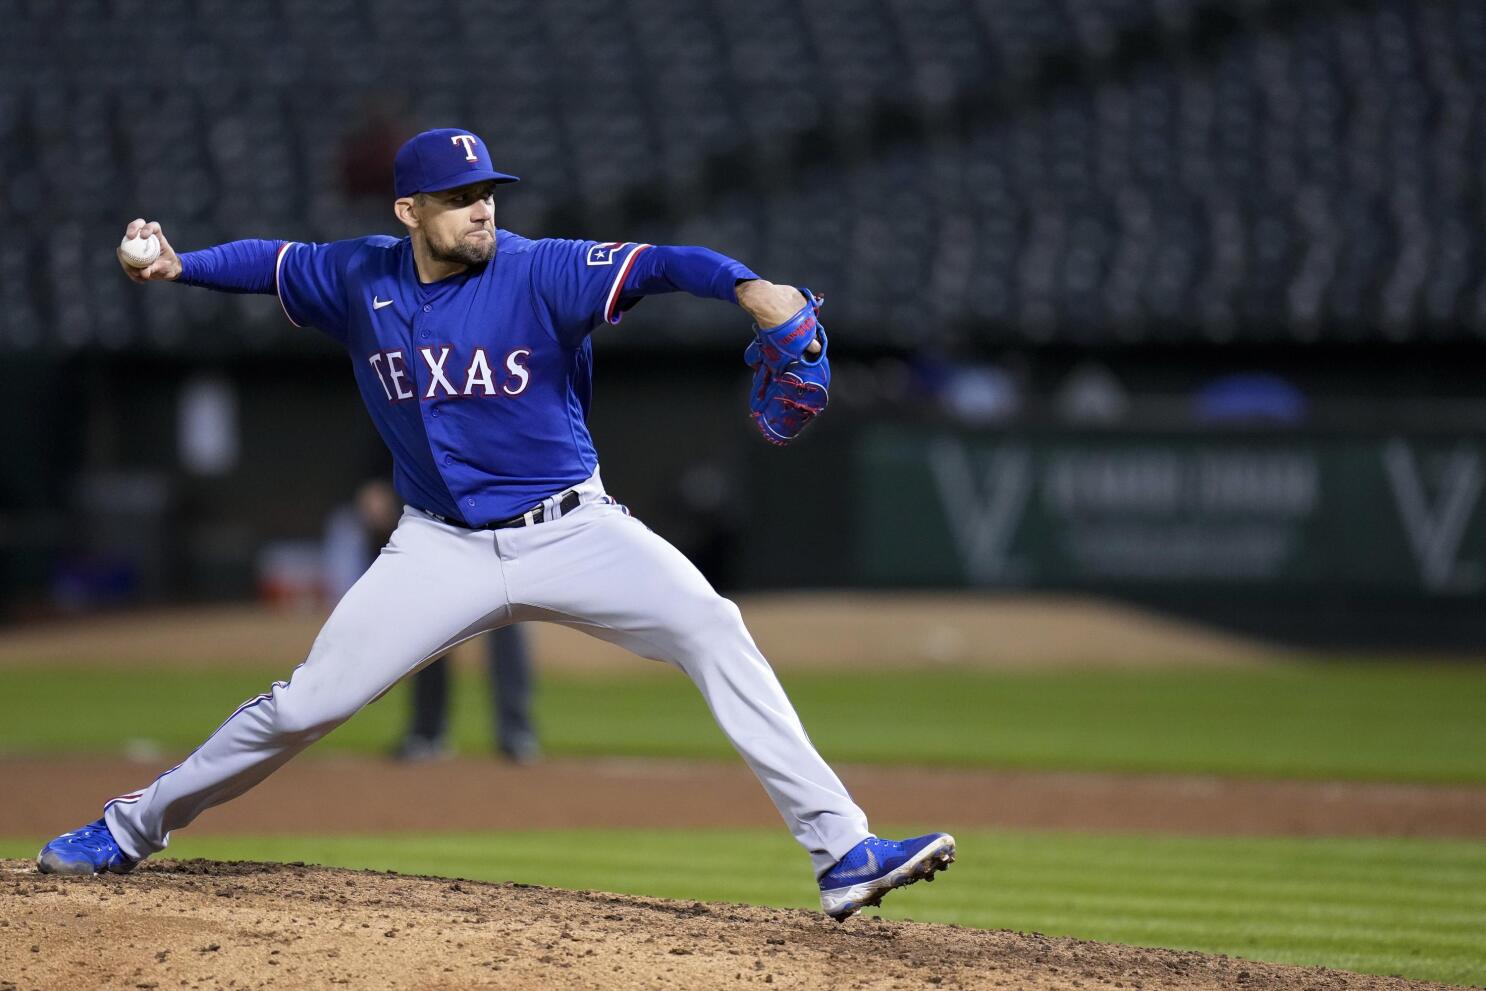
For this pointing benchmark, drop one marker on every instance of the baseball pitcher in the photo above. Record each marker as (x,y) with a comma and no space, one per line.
(470,347)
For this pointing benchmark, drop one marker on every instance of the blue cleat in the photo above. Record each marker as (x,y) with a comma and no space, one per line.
(89,849)
(874,867)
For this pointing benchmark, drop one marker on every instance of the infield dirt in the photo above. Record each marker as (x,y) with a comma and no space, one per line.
(346,795)
(200,924)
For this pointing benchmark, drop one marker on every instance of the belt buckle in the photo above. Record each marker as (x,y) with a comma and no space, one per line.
(560,507)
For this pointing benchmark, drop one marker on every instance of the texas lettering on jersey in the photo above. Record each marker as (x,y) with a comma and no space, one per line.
(513,333)
(477,379)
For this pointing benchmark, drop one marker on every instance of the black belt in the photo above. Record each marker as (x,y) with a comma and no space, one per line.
(565,505)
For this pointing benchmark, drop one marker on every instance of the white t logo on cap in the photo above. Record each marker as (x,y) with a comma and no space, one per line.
(468,140)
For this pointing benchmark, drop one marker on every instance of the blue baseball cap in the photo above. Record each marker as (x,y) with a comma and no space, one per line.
(442,159)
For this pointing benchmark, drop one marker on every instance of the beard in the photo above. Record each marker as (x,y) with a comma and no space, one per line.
(463,251)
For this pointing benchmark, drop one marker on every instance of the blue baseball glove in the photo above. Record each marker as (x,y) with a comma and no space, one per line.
(789,389)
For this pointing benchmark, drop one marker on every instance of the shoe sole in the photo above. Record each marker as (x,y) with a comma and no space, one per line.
(932,859)
(52,862)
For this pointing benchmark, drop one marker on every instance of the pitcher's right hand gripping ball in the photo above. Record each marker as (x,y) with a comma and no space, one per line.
(789,388)
(164,266)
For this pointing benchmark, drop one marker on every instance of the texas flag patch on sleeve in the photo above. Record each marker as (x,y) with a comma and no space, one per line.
(603,254)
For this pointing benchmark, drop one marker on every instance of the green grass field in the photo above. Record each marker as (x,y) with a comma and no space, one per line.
(1315,720)
(1411,907)
(1415,908)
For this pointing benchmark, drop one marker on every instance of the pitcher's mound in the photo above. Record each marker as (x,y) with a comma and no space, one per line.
(203,924)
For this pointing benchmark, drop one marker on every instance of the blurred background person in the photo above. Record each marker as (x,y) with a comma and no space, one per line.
(353,534)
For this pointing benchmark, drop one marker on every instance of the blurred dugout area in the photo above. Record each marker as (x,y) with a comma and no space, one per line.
(1022,171)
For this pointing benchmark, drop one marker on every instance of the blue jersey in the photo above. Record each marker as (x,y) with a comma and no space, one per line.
(479,383)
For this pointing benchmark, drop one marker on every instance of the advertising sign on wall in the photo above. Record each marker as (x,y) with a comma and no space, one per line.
(1388,514)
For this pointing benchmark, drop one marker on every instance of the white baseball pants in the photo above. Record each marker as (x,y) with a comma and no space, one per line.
(596,569)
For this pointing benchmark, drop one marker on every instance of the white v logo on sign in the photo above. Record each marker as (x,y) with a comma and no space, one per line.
(983,512)
(1435,531)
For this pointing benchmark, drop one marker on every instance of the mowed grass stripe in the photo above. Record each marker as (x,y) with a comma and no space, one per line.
(1360,721)
(1349,902)
(1271,899)
(1324,919)
(1307,720)
(1453,884)
(1383,874)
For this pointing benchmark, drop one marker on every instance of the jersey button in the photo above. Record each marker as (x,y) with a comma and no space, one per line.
(448,459)
(469,502)
(424,335)
(427,307)
(434,411)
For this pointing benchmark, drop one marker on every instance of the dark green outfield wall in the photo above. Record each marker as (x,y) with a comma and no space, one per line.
(1376,536)
(1394,514)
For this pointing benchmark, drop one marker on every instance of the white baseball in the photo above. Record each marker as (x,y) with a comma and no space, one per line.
(139,252)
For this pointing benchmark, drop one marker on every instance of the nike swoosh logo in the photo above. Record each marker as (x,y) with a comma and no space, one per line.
(867,870)
(377,304)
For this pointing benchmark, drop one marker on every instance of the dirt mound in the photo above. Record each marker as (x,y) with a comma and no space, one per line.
(201,924)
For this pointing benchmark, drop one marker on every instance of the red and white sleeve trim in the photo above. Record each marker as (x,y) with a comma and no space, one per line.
(611,313)
(278,264)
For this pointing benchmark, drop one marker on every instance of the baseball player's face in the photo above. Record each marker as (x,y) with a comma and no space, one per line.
(459,223)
